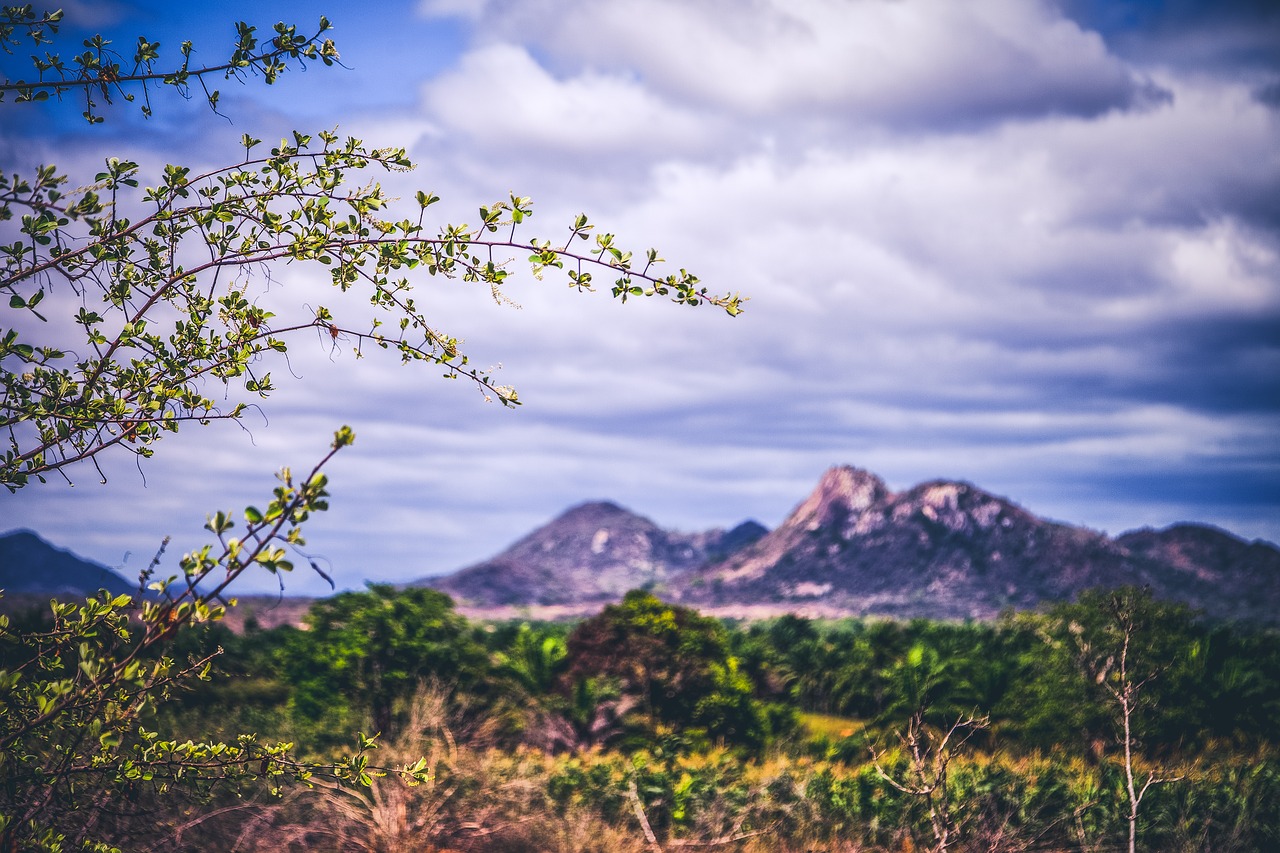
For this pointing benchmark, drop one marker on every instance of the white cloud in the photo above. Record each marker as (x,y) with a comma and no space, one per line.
(869,60)
(498,97)
(472,10)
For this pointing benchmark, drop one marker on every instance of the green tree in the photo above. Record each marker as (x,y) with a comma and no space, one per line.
(534,658)
(133,310)
(373,650)
(675,665)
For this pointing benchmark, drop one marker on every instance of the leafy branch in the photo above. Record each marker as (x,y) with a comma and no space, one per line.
(170,301)
(77,694)
(99,72)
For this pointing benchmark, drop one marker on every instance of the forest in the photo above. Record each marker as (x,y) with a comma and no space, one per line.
(1111,721)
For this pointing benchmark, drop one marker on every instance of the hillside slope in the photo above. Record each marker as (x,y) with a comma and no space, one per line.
(31,566)
(593,552)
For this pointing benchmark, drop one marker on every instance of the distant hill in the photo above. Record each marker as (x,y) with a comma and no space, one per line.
(593,552)
(1244,577)
(31,566)
(951,550)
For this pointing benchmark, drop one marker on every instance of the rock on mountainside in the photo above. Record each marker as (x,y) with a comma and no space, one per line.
(31,566)
(594,552)
(951,550)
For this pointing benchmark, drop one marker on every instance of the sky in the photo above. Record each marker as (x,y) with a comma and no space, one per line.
(1027,244)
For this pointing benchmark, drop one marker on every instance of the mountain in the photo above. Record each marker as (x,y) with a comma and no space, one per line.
(31,566)
(593,552)
(1245,576)
(951,550)
(941,550)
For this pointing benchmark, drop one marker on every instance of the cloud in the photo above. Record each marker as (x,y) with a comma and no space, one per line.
(915,64)
(498,97)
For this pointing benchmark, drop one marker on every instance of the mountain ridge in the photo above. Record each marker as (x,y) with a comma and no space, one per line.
(591,553)
(852,546)
(939,549)
(30,565)
(948,549)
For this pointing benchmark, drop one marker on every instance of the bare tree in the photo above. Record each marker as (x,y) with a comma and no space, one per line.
(929,752)
(1109,656)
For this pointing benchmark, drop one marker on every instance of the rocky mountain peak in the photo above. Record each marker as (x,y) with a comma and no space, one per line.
(842,491)
(593,512)
(959,507)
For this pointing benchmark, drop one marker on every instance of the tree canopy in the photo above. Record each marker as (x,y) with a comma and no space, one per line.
(381,646)
(674,663)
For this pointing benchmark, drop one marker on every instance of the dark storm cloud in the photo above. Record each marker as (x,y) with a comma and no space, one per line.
(1246,485)
(1215,366)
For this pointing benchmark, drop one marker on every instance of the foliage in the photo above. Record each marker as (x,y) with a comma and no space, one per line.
(389,814)
(674,664)
(76,738)
(534,657)
(375,649)
(1001,791)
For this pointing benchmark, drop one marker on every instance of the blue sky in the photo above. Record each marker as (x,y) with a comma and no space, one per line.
(1031,245)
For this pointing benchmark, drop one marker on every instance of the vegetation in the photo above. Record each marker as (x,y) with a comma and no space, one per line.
(672,666)
(610,734)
